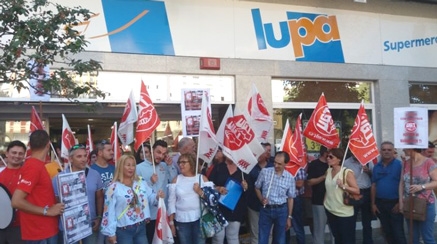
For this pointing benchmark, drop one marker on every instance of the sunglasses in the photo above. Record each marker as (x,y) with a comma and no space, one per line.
(105,142)
(331,156)
(75,147)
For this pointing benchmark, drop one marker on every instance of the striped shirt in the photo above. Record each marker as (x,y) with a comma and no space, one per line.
(282,186)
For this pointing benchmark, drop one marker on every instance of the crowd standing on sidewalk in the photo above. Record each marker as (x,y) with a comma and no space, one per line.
(124,195)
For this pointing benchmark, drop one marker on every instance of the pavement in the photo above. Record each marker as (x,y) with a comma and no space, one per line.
(376,233)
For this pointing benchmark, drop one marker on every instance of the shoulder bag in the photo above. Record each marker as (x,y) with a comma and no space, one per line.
(349,198)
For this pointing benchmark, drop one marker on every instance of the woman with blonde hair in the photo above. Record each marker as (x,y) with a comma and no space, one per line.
(126,206)
(338,180)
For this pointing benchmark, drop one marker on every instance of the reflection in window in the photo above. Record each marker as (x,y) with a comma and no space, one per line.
(292,90)
(423,94)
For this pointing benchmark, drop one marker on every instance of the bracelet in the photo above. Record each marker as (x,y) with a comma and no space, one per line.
(202,195)
(98,217)
(171,222)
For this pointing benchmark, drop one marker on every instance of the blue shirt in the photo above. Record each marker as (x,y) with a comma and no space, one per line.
(106,174)
(282,186)
(145,170)
(386,179)
(93,184)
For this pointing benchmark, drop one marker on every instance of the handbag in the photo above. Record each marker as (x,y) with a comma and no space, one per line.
(418,208)
(209,225)
(349,198)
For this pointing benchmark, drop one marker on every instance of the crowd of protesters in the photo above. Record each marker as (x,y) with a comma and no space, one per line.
(123,195)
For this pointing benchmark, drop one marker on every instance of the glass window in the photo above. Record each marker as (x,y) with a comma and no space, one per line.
(423,93)
(293,90)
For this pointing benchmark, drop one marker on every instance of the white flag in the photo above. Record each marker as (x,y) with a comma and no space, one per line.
(163,233)
(208,144)
(234,135)
(259,117)
(130,116)
(68,139)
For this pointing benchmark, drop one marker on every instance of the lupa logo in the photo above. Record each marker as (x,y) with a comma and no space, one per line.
(315,37)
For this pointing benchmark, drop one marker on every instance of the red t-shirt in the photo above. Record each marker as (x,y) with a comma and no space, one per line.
(35,181)
(9,178)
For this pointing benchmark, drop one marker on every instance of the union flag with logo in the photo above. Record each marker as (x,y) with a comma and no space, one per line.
(235,135)
(163,233)
(208,144)
(321,127)
(129,117)
(362,143)
(148,118)
(259,117)
(68,139)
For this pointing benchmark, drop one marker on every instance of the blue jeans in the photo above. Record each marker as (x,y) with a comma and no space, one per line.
(342,228)
(392,223)
(51,240)
(132,234)
(276,216)
(366,216)
(424,228)
(297,221)
(189,233)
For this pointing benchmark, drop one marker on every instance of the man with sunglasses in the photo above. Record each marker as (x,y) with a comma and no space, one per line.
(105,154)
(94,187)
(385,194)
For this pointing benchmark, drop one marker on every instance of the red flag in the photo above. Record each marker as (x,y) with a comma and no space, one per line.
(148,118)
(288,144)
(89,144)
(163,233)
(259,117)
(299,143)
(292,168)
(68,139)
(130,116)
(208,143)
(321,127)
(35,124)
(362,143)
(114,143)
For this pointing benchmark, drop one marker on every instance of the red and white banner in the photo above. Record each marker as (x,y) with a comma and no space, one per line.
(163,233)
(114,143)
(208,143)
(68,139)
(362,143)
(259,117)
(292,143)
(288,144)
(130,116)
(148,118)
(321,127)
(234,135)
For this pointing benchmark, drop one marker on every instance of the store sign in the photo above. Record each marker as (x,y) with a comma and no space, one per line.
(314,37)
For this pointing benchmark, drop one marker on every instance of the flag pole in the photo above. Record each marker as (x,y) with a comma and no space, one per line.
(344,158)
(153,157)
(197,157)
(3,161)
(56,156)
(270,186)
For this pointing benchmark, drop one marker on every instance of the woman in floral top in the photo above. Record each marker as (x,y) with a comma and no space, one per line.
(126,209)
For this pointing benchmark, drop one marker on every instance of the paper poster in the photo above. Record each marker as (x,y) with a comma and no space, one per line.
(77,223)
(76,219)
(191,108)
(411,127)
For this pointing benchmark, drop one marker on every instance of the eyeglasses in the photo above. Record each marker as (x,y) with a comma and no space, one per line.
(386,150)
(331,156)
(75,147)
(183,162)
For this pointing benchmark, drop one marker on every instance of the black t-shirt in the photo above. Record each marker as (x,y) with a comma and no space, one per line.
(316,169)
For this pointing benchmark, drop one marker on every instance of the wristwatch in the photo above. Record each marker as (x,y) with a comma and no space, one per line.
(423,187)
(290,217)
(45,210)
(344,187)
